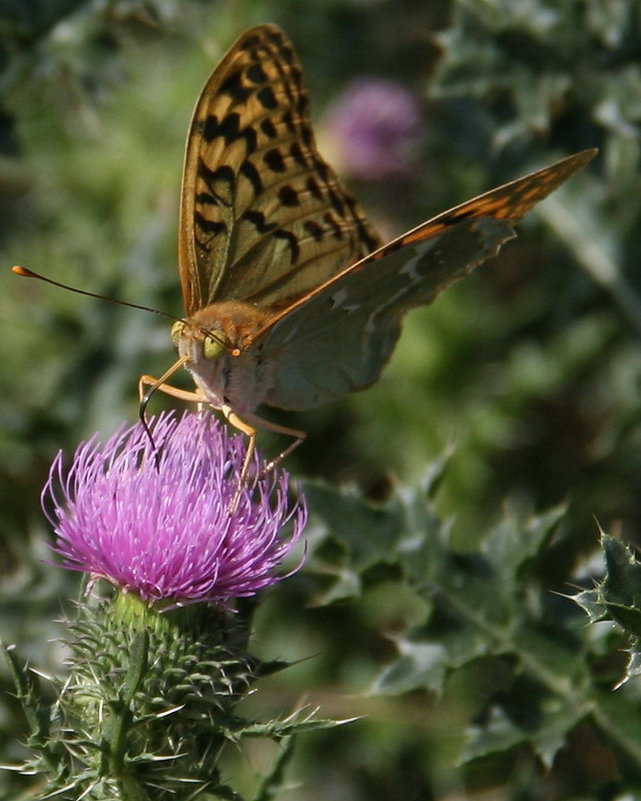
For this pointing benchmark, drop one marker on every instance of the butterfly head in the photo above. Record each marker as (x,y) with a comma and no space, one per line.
(217,331)
(212,343)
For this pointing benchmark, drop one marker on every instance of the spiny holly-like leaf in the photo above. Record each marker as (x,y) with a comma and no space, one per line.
(484,611)
(419,664)
(297,723)
(621,587)
(618,598)
(513,543)
(487,613)
(633,666)
(355,536)
(498,733)
(591,603)
(38,715)
(503,731)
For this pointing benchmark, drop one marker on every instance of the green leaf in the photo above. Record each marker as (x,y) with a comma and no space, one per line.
(621,588)
(591,603)
(512,544)
(419,665)
(367,534)
(502,732)
(498,733)
(618,597)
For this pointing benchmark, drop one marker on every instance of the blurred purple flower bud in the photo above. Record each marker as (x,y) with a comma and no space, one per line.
(373,129)
(159,523)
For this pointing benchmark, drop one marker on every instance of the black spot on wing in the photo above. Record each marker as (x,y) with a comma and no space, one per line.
(291,240)
(302,104)
(288,121)
(229,129)
(322,169)
(337,202)
(256,74)
(371,242)
(333,225)
(205,199)
(253,176)
(314,189)
(222,177)
(314,230)
(306,136)
(257,219)
(269,129)
(296,152)
(209,227)
(288,196)
(234,87)
(267,98)
(274,160)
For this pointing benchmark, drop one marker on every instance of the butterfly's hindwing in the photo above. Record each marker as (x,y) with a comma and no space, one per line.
(352,321)
(340,340)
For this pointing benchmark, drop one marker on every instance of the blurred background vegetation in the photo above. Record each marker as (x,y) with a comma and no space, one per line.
(526,375)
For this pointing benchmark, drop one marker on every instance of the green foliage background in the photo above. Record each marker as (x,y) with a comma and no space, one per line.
(425,606)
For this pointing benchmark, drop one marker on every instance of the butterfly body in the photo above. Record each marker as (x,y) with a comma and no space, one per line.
(291,299)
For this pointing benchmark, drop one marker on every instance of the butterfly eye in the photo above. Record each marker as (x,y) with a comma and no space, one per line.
(176,331)
(214,346)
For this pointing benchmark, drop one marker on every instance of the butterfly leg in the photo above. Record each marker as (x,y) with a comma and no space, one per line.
(248,427)
(181,394)
(299,436)
(250,432)
(154,384)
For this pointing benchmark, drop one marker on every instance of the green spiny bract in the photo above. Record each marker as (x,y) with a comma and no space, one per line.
(149,702)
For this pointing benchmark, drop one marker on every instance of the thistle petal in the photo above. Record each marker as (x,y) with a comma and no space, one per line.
(159,522)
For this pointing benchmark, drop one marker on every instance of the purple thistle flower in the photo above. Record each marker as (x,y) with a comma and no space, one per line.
(374,128)
(159,523)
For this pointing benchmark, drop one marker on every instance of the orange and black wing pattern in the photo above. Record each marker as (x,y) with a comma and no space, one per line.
(263,218)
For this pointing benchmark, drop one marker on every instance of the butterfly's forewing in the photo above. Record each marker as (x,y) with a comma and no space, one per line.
(338,339)
(263,217)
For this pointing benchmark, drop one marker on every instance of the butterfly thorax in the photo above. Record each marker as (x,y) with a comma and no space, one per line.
(222,355)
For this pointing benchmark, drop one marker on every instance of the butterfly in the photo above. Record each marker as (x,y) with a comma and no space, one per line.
(290,297)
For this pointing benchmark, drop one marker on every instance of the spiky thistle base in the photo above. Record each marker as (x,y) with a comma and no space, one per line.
(148,705)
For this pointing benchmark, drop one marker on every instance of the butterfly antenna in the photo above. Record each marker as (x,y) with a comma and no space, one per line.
(25,273)
(144,401)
